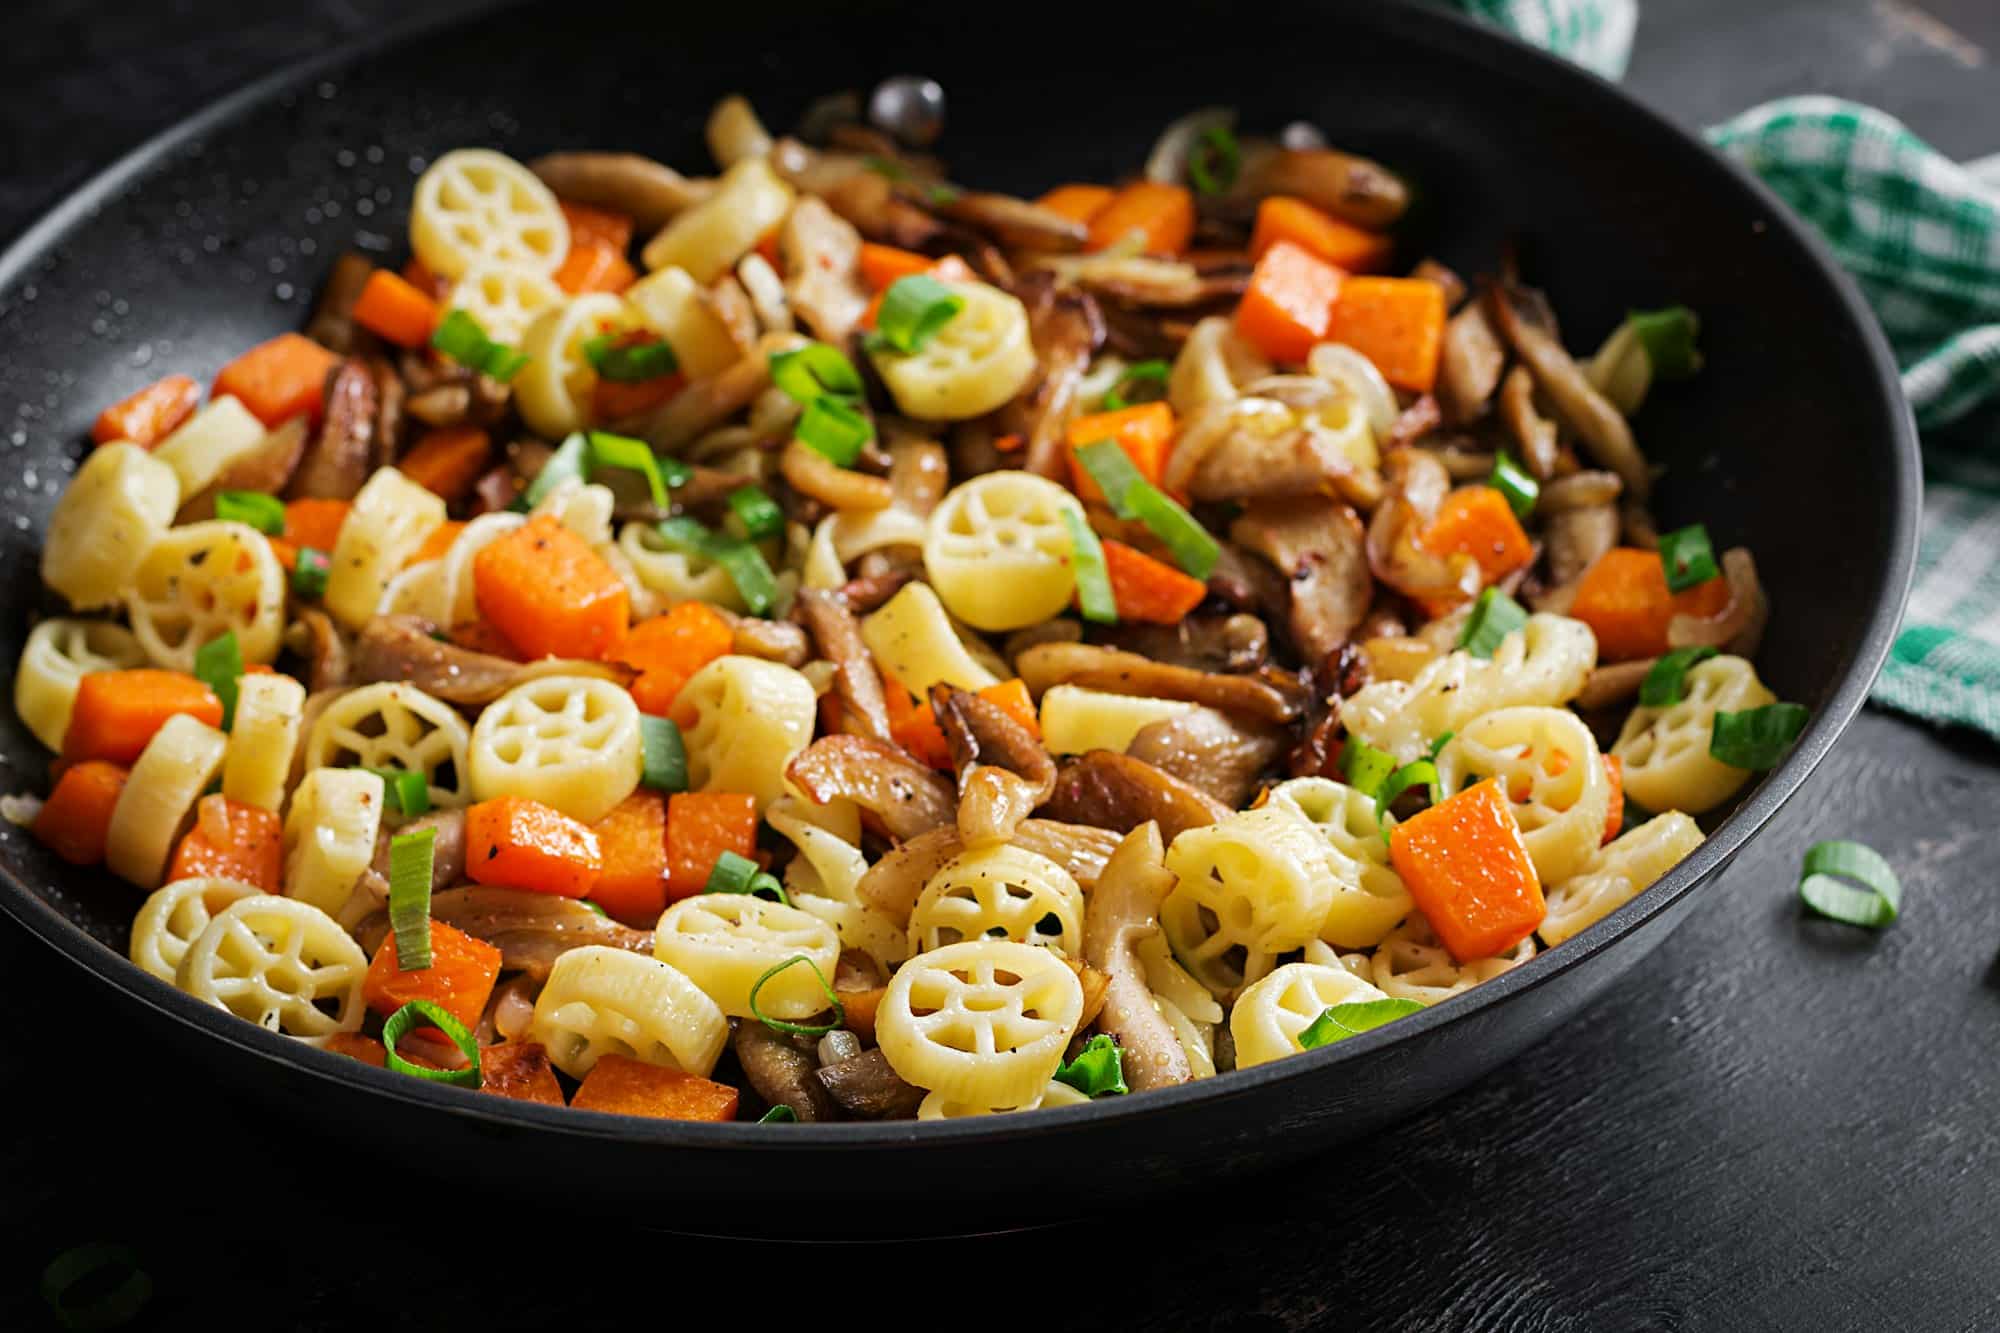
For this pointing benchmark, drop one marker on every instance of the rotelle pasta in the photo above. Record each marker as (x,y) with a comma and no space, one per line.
(877,648)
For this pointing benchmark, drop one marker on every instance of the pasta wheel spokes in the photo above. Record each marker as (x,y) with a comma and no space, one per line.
(983,1022)
(202,581)
(999,892)
(174,916)
(726,942)
(997,549)
(56,657)
(1665,750)
(394,725)
(1411,965)
(474,204)
(279,963)
(1548,764)
(1250,887)
(1269,1016)
(1369,897)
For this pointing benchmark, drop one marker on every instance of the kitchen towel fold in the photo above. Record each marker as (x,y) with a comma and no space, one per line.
(1921,235)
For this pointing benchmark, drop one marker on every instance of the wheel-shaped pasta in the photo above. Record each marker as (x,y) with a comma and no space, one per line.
(914,642)
(418,590)
(553,390)
(1076,720)
(1250,887)
(937,1106)
(742,719)
(980,358)
(57,655)
(1547,763)
(604,1001)
(210,441)
(1214,363)
(676,577)
(749,200)
(392,516)
(475,205)
(1368,895)
(999,892)
(723,942)
(263,737)
(504,298)
(459,598)
(1543,663)
(202,581)
(1617,874)
(1270,1014)
(679,309)
(982,1023)
(156,804)
(1412,965)
(173,917)
(106,521)
(997,549)
(279,963)
(330,834)
(1191,1012)
(392,724)
(1665,750)
(571,742)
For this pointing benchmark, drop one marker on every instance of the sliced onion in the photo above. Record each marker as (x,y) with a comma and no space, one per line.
(1418,484)
(1740,626)
(1337,363)
(1167,163)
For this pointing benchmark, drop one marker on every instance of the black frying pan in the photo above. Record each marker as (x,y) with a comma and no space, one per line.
(1795,440)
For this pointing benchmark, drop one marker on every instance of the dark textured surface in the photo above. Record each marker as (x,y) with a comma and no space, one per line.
(1771,1122)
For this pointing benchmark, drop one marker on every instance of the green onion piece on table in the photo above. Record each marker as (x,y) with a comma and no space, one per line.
(1851,883)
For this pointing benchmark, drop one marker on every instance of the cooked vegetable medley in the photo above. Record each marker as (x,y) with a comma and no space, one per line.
(827,642)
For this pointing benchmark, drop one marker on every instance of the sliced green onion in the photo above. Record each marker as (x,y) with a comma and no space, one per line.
(1214,161)
(1418,772)
(1098,1070)
(407,793)
(410,861)
(570,460)
(1437,746)
(1850,882)
(623,453)
(731,873)
(779,1115)
(309,573)
(424,1011)
(757,512)
(1757,738)
(1338,1022)
(798,1029)
(769,888)
(1143,372)
(460,337)
(833,427)
(1516,483)
(665,757)
(96,1286)
(816,371)
(1687,557)
(1186,540)
(1093,580)
(218,664)
(744,563)
(914,308)
(597,908)
(1113,471)
(629,363)
(266,513)
(1668,337)
(1666,682)
(1494,616)
(885,166)
(1365,768)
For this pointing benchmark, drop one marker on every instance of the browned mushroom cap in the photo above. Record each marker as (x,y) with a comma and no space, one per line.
(821,253)
(343,454)
(1442,276)
(902,797)
(869,200)
(1320,547)
(447,846)
(327,666)
(1145,283)
(389,396)
(1123,910)
(650,193)
(1013,222)
(401,648)
(855,680)
(1523,317)
(1353,188)
(1256,447)
(867,1088)
(780,1069)
(266,468)
(772,640)
(1469,365)
(1221,755)
(531,930)
(1238,642)
(1263,696)
(332,324)
(1576,537)
(1004,772)
(1066,328)
(893,883)
(1613,683)
(1535,433)
(712,399)
(812,474)
(1105,789)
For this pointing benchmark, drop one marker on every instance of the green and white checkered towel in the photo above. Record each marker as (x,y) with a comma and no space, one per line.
(1921,235)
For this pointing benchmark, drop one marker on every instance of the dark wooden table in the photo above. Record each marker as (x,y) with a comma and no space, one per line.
(1773,1123)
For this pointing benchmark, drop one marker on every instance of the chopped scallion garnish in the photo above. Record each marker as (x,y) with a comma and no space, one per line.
(1687,557)
(1093,580)
(798,1029)
(1214,161)
(623,453)
(1494,616)
(816,371)
(1668,337)
(410,860)
(218,664)
(914,308)
(460,337)
(779,1115)
(310,571)
(266,513)
(1417,773)
(621,362)
(1186,540)
(757,512)
(1758,737)
(1365,768)
(1516,483)
(743,562)
(665,757)
(768,887)
(424,1011)
(1097,1071)
(731,874)
(834,427)
(571,460)
(1143,372)
(1850,882)
(1114,472)
(1338,1022)
(96,1286)
(407,793)
(1666,681)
